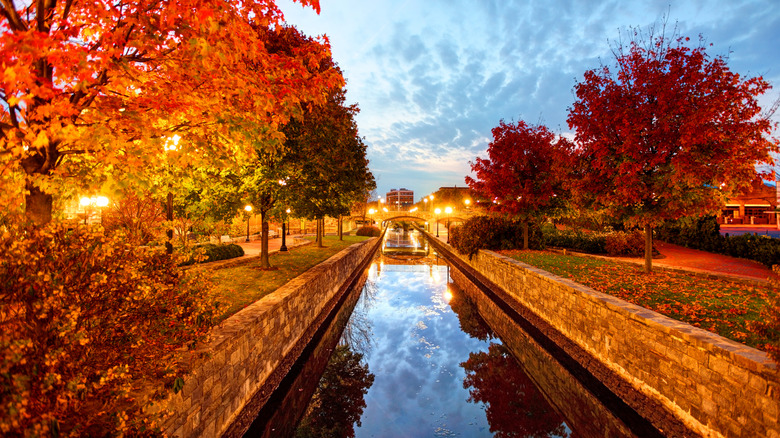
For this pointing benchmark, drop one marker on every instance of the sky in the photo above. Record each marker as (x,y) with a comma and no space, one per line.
(433,77)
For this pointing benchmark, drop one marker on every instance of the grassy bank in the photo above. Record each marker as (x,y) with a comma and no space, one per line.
(241,286)
(717,305)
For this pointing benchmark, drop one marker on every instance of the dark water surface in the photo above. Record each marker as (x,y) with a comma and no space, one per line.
(416,359)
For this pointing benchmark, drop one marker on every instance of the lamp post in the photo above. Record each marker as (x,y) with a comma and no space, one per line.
(288,221)
(448,210)
(284,233)
(436,214)
(171,144)
(371,212)
(467,202)
(248,210)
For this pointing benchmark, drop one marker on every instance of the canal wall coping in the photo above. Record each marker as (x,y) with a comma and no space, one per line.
(251,347)
(716,386)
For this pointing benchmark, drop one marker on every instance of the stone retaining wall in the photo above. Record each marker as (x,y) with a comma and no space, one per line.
(250,348)
(717,387)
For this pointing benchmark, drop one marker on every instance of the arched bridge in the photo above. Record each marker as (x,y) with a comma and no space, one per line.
(420,216)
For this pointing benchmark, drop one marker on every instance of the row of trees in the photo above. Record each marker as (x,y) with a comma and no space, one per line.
(214,103)
(668,132)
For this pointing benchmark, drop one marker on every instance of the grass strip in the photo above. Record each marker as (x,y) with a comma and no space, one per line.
(718,305)
(240,286)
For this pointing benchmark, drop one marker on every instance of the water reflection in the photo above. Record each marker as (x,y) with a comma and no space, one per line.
(430,366)
(338,403)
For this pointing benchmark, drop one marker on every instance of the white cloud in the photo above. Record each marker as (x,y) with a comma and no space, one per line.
(433,78)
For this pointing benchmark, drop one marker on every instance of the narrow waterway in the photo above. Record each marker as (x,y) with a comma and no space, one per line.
(417,358)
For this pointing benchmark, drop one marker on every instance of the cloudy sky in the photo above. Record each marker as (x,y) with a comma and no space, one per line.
(433,77)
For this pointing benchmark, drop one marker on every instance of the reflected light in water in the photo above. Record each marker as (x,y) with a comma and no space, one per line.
(447,294)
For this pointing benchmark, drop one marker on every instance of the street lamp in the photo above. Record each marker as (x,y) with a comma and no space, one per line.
(371,212)
(171,144)
(284,234)
(467,202)
(448,210)
(248,210)
(288,221)
(436,213)
(98,201)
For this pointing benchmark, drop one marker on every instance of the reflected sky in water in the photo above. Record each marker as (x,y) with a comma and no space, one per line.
(418,347)
(418,350)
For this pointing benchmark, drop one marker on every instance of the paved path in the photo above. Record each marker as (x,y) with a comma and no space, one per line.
(675,256)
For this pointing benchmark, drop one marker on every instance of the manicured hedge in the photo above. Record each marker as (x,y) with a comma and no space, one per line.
(704,234)
(213,252)
(369,231)
(493,232)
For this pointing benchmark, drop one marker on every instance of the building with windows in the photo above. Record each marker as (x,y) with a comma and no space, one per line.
(756,207)
(399,199)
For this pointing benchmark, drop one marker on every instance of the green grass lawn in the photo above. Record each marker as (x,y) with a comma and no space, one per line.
(717,305)
(241,286)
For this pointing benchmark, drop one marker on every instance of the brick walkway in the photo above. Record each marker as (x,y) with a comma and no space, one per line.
(680,257)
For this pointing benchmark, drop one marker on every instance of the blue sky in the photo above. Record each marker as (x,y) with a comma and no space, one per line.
(433,77)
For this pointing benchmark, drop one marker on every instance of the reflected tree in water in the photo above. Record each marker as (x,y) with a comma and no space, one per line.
(470,321)
(358,333)
(339,401)
(515,408)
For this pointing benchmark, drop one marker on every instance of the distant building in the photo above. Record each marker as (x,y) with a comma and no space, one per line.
(755,207)
(400,199)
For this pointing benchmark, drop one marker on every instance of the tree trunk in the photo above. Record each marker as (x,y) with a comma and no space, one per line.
(37,205)
(648,249)
(525,235)
(169,218)
(264,261)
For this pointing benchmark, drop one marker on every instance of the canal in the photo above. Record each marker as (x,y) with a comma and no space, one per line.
(413,354)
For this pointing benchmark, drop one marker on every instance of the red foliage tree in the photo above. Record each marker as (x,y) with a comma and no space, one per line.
(669,133)
(525,172)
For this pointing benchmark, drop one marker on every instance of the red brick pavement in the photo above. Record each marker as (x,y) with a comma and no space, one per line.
(679,257)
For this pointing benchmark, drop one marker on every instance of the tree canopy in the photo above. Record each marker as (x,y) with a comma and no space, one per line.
(667,133)
(92,90)
(524,173)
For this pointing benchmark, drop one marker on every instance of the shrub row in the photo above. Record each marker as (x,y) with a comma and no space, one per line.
(370,231)
(496,233)
(210,252)
(493,232)
(704,234)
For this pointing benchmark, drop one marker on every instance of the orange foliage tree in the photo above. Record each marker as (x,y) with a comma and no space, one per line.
(669,133)
(93,90)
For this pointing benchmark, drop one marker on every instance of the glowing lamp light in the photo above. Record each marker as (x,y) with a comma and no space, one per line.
(437,211)
(101,201)
(448,210)
(85,201)
(371,211)
(467,201)
(384,209)
(447,295)
(287,211)
(248,208)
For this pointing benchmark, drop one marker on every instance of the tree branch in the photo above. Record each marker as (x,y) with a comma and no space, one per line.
(13,18)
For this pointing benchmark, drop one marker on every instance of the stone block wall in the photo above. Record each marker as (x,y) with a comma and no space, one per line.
(251,347)
(715,386)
